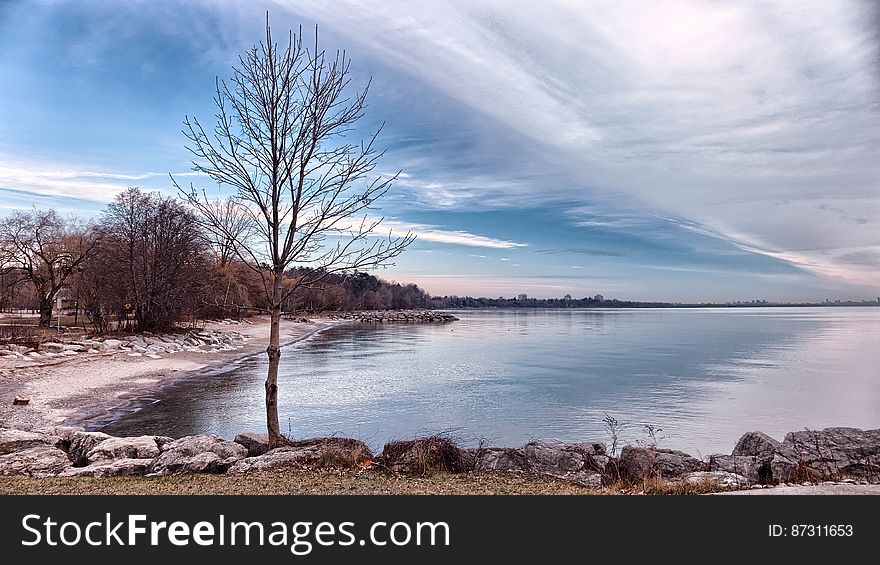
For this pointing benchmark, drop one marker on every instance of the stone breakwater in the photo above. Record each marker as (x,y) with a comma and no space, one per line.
(846,455)
(142,345)
(382,316)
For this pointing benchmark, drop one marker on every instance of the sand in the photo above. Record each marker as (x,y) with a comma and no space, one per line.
(65,389)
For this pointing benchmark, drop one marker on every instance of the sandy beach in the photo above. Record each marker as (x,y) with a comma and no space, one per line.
(65,390)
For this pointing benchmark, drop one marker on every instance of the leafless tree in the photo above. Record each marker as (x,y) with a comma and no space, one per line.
(156,255)
(46,250)
(281,144)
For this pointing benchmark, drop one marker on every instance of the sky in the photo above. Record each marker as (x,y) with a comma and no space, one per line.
(690,151)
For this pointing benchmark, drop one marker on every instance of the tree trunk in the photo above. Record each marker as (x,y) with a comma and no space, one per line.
(274,351)
(45,313)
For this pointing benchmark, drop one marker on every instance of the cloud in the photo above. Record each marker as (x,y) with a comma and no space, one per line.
(739,118)
(435,234)
(60,180)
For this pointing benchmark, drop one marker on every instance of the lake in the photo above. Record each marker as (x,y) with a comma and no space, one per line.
(702,376)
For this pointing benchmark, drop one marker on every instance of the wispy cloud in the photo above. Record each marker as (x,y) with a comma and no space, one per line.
(53,180)
(737,117)
(435,234)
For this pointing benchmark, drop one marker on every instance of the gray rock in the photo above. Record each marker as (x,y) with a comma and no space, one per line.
(320,452)
(66,433)
(118,468)
(42,461)
(715,479)
(256,444)
(755,469)
(829,454)
(756,444)
(111,449)
(81,443)
(197,454)
(51,347)
(110,344)
(581,463)
(569,461)
(639,463)
(499,459)
(17,440)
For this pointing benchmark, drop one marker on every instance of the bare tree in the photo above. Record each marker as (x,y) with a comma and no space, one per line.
(280,143)
(154,251)
(45,250)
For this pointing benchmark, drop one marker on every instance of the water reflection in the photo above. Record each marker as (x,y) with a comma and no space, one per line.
(703,376)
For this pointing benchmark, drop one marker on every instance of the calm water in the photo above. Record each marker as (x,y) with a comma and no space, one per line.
(703,376)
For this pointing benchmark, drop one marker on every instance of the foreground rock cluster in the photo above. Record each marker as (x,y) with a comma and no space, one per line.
(142,345)
(833,454)
(382,316)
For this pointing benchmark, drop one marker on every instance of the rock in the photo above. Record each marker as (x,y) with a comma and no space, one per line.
(256,444)
(109,344)
(75,347)
(20,401)
(830,454)
(51,347)
(321,452)
(715,479)
(569,461)
(756,469)
(639,463)
(79,444)
(197,454)
(66,434)
(113,448)
(18,440)
(118,468)
(498,459)
(39,461)
(581,463)
(756,444)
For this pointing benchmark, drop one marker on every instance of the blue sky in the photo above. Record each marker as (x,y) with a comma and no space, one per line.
(685,151)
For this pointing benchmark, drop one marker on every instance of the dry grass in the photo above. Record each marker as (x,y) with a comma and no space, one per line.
(372,482)
(423,456)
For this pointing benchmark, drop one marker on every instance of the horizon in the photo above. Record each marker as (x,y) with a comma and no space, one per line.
(544,150)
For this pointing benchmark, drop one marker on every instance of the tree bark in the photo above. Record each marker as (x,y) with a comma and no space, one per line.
(45,313)
(274,351)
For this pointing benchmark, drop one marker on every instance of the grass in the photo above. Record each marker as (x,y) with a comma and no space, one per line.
(300,481)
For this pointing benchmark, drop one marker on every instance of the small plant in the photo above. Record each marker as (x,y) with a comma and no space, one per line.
(613,428)
(653,434)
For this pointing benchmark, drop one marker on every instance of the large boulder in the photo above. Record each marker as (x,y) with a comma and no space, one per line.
(322,452)
(113,448)
(756,444)
(40,461)
(256,444)
(17,440)
(118,468)
(81,443)
(582,463)
(197,454)
(755,469)
(830,454)
(498,459)
(639,463)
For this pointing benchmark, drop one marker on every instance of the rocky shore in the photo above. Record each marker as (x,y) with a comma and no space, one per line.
(407,316)
(832,455)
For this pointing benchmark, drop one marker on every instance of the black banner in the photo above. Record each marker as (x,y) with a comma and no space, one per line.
(428,529)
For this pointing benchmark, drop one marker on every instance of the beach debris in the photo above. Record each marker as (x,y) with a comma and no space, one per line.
(20,401)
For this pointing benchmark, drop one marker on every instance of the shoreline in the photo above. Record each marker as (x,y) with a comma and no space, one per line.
(94,389)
